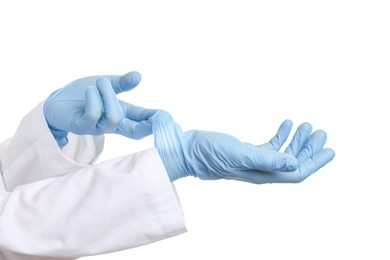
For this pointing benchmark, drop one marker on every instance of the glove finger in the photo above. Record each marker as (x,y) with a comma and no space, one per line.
(112,112)
(137,113)
(92,112)
(281,135)
(306,168)
(315,143)
(266,160)
(134,130)
(124,83)
(300,138)
(314,163)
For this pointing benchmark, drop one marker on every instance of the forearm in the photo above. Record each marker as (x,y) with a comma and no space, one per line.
(119,204)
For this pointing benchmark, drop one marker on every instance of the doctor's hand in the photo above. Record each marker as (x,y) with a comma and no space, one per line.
(306,146)
(89,106)
(211,155)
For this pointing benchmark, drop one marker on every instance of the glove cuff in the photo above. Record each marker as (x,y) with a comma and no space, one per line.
(168,142)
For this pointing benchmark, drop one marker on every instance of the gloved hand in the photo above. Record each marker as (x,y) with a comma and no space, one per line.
(89,106)
(211,155)
(306,146)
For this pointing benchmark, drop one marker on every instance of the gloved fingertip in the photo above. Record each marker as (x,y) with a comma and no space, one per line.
(287,122)
(102,82)
(330,153)
(285,127)
(91,89)
(129,80)
(135,77)
(306,127)
(292,163)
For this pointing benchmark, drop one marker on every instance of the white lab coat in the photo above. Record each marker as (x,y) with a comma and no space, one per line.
(55,205)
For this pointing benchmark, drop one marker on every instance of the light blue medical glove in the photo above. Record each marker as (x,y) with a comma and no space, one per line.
(306,146)
(211,155)
(89,106)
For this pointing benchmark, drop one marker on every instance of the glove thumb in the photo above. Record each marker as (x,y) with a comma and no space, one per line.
(124,83)
(267,160)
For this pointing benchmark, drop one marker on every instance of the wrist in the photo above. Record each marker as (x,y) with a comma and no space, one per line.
(171,155)
(168,140)
(60,136)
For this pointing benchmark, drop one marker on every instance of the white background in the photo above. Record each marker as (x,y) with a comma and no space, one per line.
(238,67)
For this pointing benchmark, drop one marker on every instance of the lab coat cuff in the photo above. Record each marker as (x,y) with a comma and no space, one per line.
(81,150)
(165,199)
(32,154)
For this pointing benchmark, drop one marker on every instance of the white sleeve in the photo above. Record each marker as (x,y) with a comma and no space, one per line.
(32,154)
(115,205)
(54,205)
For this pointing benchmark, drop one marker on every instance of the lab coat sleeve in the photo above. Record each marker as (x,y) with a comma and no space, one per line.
(32,154)
(114,205)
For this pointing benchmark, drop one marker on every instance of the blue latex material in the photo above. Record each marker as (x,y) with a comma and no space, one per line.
(212,155)
(89,106)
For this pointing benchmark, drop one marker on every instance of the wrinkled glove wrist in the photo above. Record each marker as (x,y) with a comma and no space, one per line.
(169,144)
